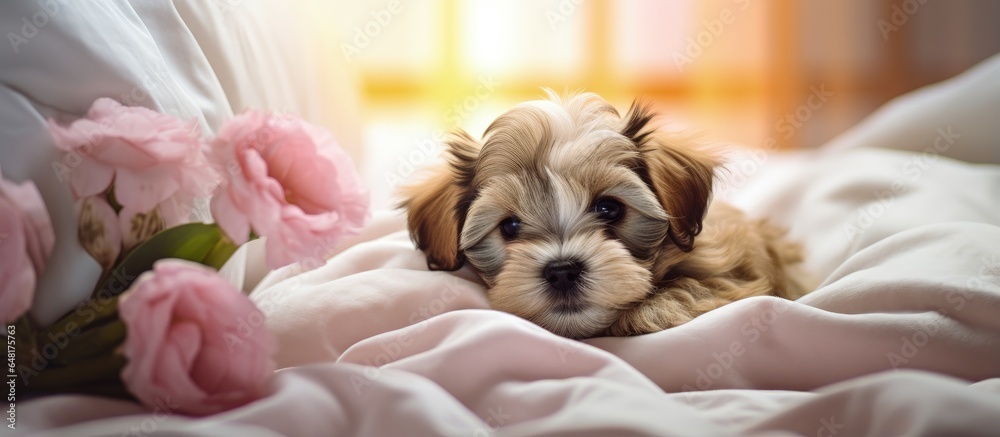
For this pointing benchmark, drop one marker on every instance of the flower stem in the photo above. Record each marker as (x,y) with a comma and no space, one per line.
(93,312)
(92,342)
(111,389)
(24,335)
(220,253)
(102,368)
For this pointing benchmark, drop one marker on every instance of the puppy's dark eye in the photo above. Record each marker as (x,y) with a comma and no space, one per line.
(609,210)
(510,227)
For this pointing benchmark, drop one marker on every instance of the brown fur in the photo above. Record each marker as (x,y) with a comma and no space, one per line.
(670,258)
(735,258)
(436,207)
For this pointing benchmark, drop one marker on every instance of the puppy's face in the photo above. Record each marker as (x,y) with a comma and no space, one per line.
(562,211)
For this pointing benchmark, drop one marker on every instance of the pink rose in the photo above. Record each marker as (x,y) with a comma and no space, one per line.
(193,340)
(290,182)
(26,240)
(154,159)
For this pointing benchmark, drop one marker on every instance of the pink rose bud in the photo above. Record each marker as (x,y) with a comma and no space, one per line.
(193,340)
(26,240)
(98,231)
(289,182)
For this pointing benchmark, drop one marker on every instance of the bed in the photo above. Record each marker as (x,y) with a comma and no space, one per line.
(900,217)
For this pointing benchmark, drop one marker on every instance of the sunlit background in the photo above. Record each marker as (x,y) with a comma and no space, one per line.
(741,71)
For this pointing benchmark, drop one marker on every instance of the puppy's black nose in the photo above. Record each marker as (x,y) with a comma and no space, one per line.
(562,275)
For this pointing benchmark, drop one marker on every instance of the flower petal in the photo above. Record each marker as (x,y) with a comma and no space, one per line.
(90,178)
(104,107)
(40,236)
(17,277)
(177,211)
(295,186)
(180,319)
(149,156)
(230,218)
(142,191)
(81,136)
(137,227)
(121,152)
(99,231)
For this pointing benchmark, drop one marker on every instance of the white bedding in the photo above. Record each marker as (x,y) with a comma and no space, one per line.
(901,338)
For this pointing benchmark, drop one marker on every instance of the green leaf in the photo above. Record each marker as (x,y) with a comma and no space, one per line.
(192,242)
(220,253)
(91,343)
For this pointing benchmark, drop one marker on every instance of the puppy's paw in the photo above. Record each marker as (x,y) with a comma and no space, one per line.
(652,315)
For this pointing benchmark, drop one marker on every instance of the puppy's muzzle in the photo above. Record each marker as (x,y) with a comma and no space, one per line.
(562,275)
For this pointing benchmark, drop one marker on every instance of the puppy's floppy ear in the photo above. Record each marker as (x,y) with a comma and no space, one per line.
(679,173)
(436,207)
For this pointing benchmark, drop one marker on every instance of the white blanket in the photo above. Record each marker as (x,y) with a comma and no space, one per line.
(901,338)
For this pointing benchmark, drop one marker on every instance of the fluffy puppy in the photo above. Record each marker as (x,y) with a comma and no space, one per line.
(588,223)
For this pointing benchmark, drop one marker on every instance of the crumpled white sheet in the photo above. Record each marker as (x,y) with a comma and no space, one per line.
(901,338)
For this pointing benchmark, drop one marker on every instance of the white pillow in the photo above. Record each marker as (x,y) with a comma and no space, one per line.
(193,59)
(961,115)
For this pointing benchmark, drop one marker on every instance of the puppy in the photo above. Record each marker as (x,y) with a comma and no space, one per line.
(592,224)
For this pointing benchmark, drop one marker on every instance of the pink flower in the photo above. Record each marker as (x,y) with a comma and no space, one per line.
(98,230)
(154,159)
(290,182)
(193,340)
(26,240)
